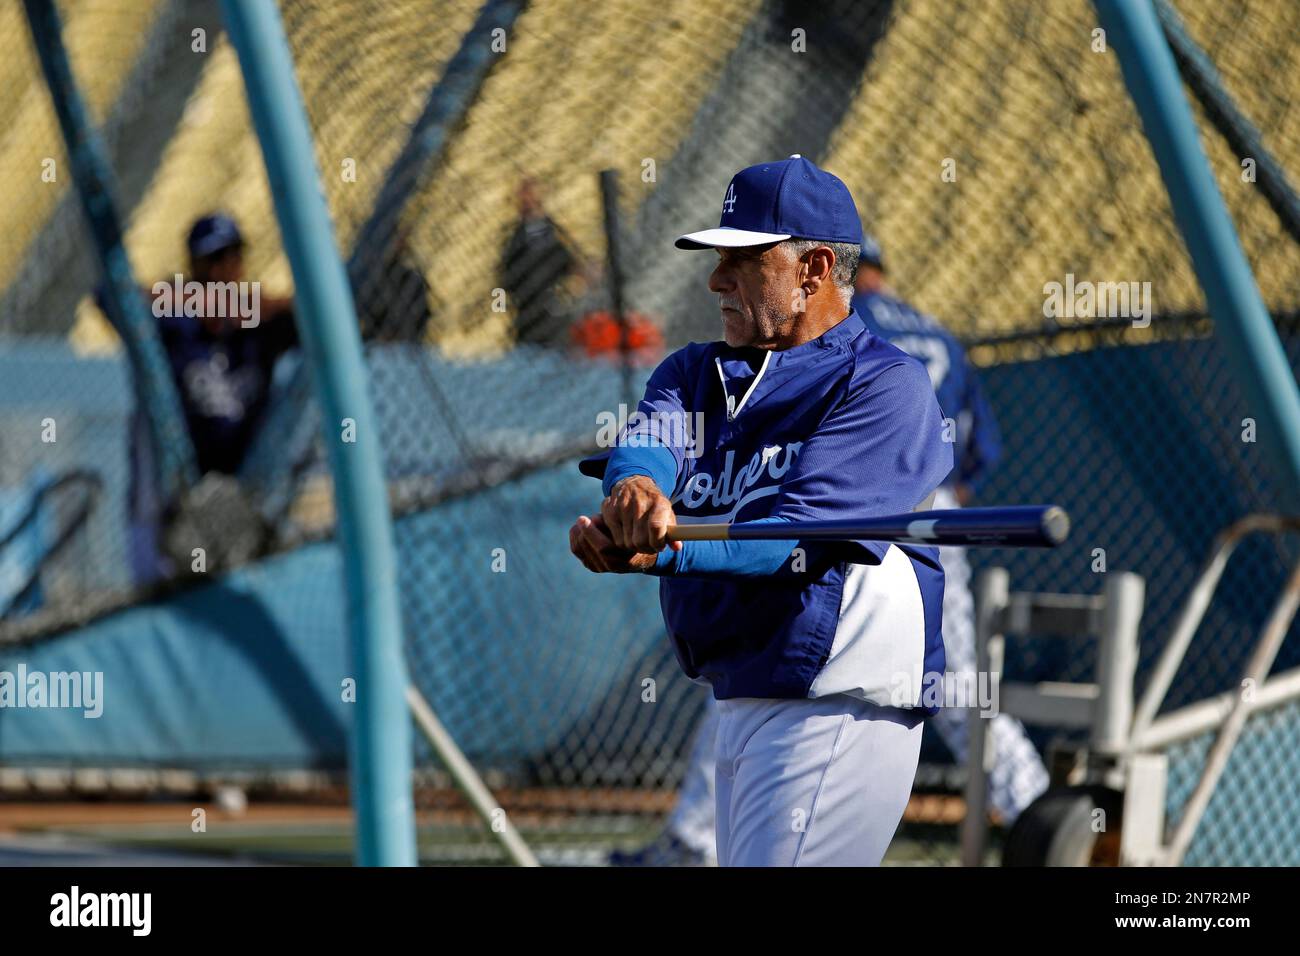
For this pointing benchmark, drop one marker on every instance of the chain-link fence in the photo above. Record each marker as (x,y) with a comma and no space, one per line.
(992,149)
(1251,819)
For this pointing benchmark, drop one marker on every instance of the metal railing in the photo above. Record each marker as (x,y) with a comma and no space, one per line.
(1126,744)
(1228,711)
(1104,707)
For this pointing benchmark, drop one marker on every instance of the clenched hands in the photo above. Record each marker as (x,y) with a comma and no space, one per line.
(630,531)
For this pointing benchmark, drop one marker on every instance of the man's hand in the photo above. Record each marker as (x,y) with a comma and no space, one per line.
(638,516)
(589,540)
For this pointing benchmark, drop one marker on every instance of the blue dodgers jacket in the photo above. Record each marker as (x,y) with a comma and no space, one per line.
(844,426)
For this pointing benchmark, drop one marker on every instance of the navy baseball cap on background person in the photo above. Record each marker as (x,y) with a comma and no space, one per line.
(213,233)
(869,252)
(787,199)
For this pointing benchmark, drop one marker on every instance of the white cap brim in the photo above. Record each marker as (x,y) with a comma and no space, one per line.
(726,238)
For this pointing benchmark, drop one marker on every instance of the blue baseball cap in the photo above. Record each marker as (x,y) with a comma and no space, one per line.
(788,199)
(212,234)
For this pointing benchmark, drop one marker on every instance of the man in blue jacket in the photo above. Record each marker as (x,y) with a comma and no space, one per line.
(820,655)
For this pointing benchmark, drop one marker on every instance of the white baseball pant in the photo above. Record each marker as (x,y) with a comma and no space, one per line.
(811,782)
(1018,774)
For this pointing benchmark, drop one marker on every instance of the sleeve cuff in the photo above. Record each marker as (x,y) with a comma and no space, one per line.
(654,461)
(665,565)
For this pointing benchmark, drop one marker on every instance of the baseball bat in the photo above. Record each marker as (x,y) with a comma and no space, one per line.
(1013,526)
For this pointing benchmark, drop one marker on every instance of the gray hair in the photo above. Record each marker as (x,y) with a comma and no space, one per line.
(845,269)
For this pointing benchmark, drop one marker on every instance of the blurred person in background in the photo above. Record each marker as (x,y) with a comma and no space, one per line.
(1018,776)
(396,308)
(221,364)
(535,264)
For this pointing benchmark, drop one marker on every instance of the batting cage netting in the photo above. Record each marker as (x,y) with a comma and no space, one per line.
(513,300)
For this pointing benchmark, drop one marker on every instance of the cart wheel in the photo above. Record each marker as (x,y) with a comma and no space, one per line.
(1057,829)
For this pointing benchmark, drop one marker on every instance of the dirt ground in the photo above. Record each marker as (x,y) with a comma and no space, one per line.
(17,816)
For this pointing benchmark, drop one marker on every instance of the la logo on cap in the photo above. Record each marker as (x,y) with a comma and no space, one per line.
(789,197)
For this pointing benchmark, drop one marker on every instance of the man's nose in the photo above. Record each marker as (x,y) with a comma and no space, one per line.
(721,281)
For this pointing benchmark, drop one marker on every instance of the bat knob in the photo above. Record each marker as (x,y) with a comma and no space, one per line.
(1056,524)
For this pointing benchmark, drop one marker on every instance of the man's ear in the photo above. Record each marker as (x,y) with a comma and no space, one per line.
(817,268)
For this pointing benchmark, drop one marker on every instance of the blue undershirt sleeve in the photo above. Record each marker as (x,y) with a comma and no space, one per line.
(652,459)
(747,559)
(653,442)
